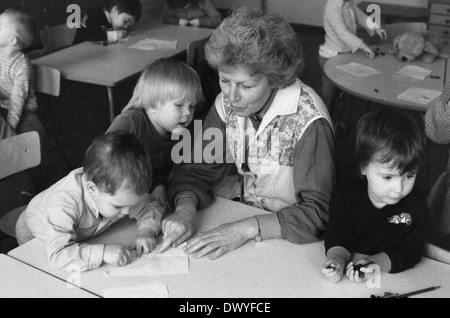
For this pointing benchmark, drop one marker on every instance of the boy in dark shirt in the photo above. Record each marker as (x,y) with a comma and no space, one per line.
(380,219)
(110,21)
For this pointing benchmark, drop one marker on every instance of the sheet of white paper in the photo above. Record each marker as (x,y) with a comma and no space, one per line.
(415,72)
(358,70)
(173,261)
(419,95)
(154,290)
(154,44)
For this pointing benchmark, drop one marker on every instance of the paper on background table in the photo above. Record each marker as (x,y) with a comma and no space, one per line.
(358,69)
(153,290)
(419,95)
(173,261)
(415,72)
(154,44)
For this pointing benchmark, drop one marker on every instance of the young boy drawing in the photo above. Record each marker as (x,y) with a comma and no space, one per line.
(163,102)
(109,22)
(379,218)
(114,182)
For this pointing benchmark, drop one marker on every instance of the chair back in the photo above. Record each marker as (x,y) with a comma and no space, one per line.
(439,202)
(47,80)
(395,29)
(19,153)
(57,37)
(195,52)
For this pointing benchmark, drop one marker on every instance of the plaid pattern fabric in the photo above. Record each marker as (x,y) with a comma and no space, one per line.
(437,118)
(439,201)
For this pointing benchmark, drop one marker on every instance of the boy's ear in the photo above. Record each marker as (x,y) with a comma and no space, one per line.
(13,40)
(92,188)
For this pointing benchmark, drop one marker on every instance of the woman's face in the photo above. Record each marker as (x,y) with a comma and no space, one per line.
(246,92)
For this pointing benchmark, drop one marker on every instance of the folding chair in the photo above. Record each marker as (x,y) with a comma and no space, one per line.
(18,153)
(195,57)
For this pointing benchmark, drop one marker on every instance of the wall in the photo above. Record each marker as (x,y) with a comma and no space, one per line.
(308,12)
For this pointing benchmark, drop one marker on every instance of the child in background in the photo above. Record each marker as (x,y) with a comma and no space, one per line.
(18,104)
(196,13)
(379,219)
(109,22)
(163,102)
(340,19)
(114,182)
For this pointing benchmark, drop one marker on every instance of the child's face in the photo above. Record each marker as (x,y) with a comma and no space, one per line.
(6,33)
(111,206)
(385,184)
(171,116)
(121,21)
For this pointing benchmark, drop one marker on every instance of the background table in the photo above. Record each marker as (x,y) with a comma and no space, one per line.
(385,87)
(113,64)
(271,269)
(18,280)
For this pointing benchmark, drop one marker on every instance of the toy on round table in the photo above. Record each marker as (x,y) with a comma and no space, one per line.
(411,46)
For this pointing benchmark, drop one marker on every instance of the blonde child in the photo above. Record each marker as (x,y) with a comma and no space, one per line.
(109,22)
(18,104)
(340,20)
(163,101)
(114,182)
(379,219)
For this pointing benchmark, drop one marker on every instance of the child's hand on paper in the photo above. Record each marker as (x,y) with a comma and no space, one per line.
(117,255)
(145,242)
(333,270)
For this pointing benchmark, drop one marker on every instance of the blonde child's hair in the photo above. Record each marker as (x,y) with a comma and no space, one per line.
(23,26)
(165,80)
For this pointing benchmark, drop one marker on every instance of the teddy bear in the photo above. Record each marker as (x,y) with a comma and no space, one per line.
(410,46)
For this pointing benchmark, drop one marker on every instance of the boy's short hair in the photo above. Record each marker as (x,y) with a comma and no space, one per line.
(164,80)
(118,159)
(389,137)
(24,27)
(131,7)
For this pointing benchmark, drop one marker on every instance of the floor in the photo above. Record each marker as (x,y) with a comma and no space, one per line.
(81,114)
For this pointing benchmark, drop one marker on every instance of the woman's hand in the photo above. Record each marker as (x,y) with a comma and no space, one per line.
(183,22)
(195,22)
(368,51)
(333,270)
(222,239)
(179,226)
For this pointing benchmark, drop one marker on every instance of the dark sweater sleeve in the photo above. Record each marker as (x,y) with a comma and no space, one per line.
(339,230)
(408,252)
(94,28)
(212,17)
(200,178)
(314,177)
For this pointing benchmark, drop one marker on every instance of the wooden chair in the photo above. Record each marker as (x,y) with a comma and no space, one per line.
(47,80)
(195,57)
(18,153)
(57,37)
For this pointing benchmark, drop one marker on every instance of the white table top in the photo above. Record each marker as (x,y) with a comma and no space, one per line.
(112,64)
(18,280)
(269,269)
(384,88)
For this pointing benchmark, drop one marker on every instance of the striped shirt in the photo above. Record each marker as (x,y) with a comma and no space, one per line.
(16,87)
(437,118)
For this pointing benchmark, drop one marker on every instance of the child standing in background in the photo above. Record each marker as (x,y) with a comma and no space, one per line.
(340,19)
(196,13)
(109,22)
(114,182)
(18,104)
(163,102)
(379,219)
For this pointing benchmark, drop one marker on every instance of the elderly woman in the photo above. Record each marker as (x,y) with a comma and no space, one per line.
(278,132)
